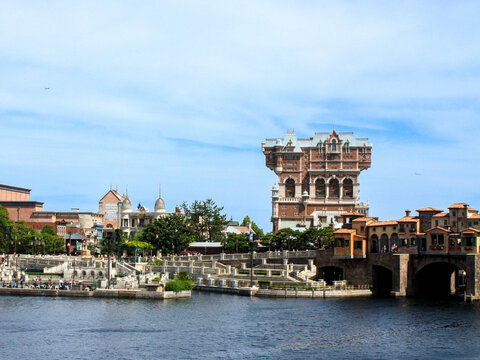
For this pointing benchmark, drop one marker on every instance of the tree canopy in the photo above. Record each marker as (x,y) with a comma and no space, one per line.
(258,231)
(170,234)
(206,219)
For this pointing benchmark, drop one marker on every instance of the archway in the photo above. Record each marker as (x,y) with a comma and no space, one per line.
(290,188)
(374,243)
(439,280)
(348,188)
(320,188)
(334,188)
(382,280)
(330,274)
(383,244)
(394,242)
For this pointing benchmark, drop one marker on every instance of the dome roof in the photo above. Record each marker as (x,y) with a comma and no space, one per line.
(126,204)
(159,205)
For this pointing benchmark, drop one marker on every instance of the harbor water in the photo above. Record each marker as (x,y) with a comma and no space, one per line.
(219,326)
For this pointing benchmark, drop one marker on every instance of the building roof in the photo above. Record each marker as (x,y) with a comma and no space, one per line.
(353,214)
(408,219)
(383,223)
(429,209)
(471,230)
(204,244)
(440,215)
(345,231)
(14,188)
(458,206)
(437,228)
(237,229)
(313,141)
(21,203)
(475,216)
(363,219)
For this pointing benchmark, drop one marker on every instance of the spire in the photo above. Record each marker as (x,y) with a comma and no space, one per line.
(159,190)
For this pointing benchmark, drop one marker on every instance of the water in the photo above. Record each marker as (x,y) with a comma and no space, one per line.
(213,326)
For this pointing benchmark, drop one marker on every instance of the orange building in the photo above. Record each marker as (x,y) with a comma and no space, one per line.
(17,202)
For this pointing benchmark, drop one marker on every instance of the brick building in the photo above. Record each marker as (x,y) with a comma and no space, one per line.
(317,178)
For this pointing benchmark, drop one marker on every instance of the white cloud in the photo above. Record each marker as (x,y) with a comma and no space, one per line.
(125,79)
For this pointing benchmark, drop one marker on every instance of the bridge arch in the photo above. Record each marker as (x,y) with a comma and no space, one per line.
(330,274)
(382,280)
(439,279)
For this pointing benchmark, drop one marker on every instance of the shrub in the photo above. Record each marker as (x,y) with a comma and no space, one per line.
(156,262)
(178,285)
(183,275)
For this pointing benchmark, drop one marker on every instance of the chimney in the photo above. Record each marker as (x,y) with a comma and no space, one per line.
(407,212)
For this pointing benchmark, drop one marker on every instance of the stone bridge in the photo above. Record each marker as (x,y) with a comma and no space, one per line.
(405,274)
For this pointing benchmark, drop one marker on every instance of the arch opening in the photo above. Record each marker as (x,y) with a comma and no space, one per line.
(320,188)
(334,188)
(330,274)
(382,280)
(439,280)
(290,188)
(374,243)
(348,188)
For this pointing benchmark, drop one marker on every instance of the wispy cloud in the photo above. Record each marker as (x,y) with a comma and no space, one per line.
(183,93)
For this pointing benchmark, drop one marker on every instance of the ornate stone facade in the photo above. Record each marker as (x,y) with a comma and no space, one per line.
(317,178)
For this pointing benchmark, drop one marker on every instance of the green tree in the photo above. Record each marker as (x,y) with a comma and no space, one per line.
(258,231)
(170,234)
(206,218)
(53,244)
(5,224)
(235,243)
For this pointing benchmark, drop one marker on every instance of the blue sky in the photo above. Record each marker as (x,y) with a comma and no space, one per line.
(183,92)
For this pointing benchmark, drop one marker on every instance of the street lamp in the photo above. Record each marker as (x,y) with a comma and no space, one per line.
(250,240)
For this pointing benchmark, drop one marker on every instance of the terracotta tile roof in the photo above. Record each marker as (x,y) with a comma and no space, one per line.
(437,228)
(440,215)
(345,231)
(408,219)
(475,216)
(362,219)
(383,223)
(457,206)
(429,209)
(471,230)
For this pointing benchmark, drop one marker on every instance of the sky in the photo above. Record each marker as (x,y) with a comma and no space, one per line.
(106,94)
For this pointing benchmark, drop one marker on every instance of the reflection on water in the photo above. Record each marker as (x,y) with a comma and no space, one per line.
(217,326)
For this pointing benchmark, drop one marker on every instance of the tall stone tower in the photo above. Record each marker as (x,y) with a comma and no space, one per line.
(317,178)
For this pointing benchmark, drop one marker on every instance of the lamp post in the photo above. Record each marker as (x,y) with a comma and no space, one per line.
(250,240)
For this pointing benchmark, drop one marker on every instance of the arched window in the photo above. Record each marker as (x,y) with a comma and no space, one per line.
(290,188)
(348,188)
(334,188)
(320,188)
(334,145)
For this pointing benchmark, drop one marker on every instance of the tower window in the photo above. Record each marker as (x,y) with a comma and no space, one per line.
(290,188)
